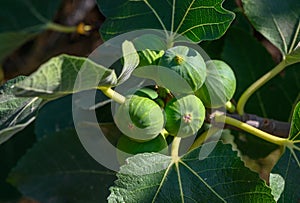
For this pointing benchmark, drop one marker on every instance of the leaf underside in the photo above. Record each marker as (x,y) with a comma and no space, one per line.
(15,113)
(65,75)
(277,20)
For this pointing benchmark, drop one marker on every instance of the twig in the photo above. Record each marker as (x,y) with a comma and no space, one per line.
(274,127)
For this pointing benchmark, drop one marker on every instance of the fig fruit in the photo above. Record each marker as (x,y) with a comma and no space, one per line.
(187,63)
(128,147)
(184,116)
(219,85)
(139,118)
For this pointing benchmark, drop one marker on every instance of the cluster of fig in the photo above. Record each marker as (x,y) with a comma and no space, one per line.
(186,85)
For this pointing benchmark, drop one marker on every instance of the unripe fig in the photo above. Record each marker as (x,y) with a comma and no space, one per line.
(219,85)
(148,92)
(128,147)
(139,118)
(184,116)
(187,63)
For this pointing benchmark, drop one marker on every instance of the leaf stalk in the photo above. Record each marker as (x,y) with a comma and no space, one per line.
(113,94)
(61,28)
(256,85)
(252,130)
(175,149)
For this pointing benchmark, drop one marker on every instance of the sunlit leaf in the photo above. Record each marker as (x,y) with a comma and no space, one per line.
(15,113)
(131,61)
(220,177)
(198,20)
(277,185)
(57,77)
(66,74)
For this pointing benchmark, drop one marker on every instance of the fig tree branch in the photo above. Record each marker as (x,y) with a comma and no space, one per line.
(271,126)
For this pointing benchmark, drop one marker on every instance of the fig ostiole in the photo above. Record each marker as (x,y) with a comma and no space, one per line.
(184,116)
(139,118)
(219,85)
(188,64)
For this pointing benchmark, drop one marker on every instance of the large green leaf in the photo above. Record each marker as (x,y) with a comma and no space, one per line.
(66,74)
(23,19)
(249,61)
(15,113)
(277,20)
(196,19)
(57,77)
(58,169)
(221,177)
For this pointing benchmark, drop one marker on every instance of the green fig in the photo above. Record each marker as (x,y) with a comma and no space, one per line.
(188,64)
(219,85)
(184,116)
(139,118)
(132,147)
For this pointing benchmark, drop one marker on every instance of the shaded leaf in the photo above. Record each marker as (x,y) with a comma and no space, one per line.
(249,61)
(8,192)
(57,78)
(287,167)
(56,115)
(15,113)
(23,19)
(277,20)
(198,20)
(219,177)
(57,169)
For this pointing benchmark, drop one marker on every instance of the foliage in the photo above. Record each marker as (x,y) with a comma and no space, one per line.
(146,127)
